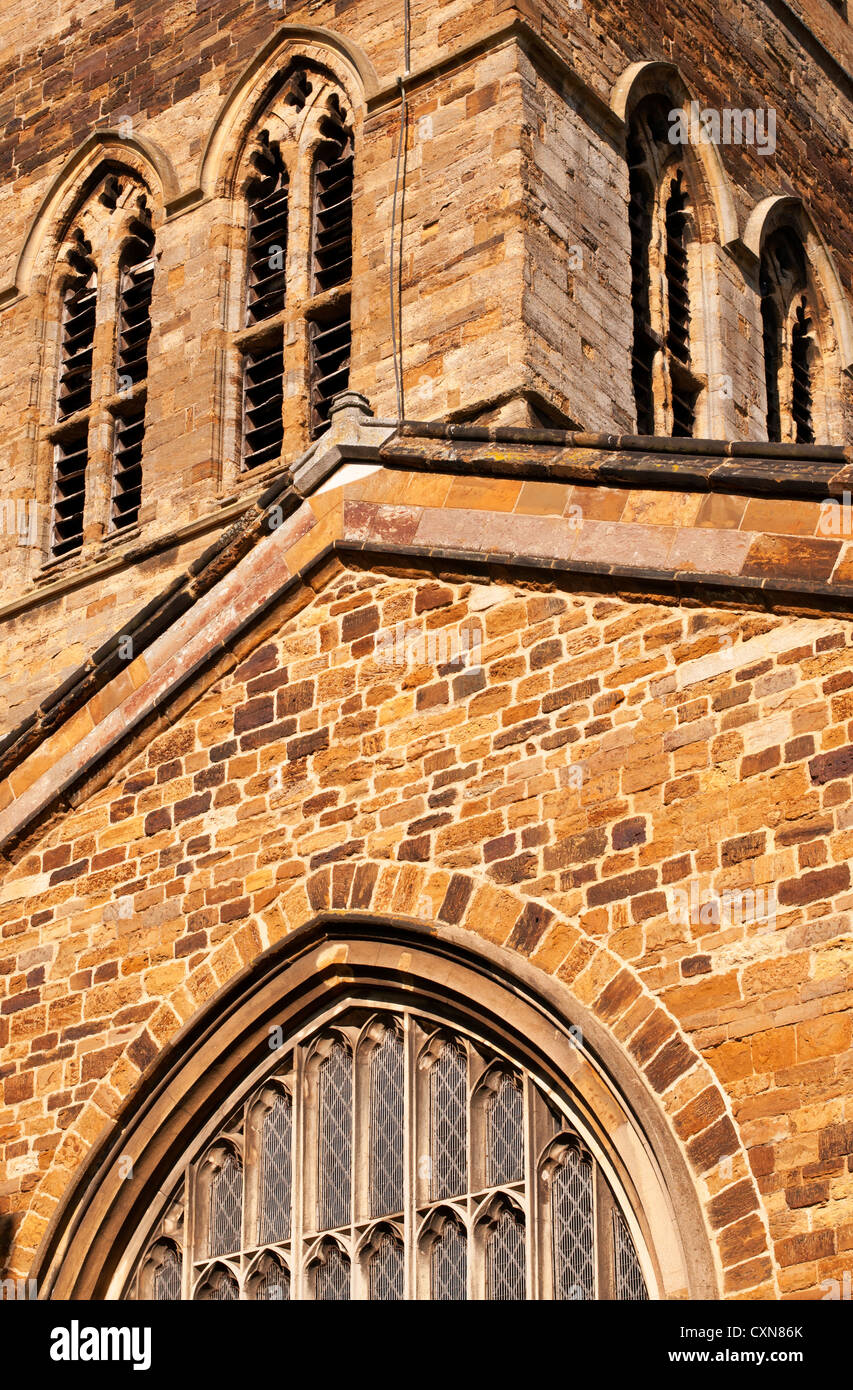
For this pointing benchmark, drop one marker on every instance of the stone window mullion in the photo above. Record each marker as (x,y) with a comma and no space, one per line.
(410,1160)
(531,1189)
(301,1160)
(101,419)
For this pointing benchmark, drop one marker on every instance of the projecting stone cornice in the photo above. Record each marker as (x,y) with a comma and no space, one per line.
(707,521)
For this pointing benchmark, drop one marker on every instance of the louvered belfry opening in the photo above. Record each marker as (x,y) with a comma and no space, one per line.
(659,225)
(267,251)
(788,331)
(266,286)
(330,330)
(771,336)
(136,284)
(641,197)
(801,375)
(74,397)
(678,307)
(392,1156)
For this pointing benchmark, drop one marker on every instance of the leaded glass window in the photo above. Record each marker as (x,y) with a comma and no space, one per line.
(271,1281)
(276,1177)
(219,1286)
(226,1206)
(386,1155)
(573,1226)
(387,1269)
(335,1138)
(332,1275)
(448,1122)
(387,1074)
(450,1264)
(630,1283)
(166,1282)
(505,1257)
(506,1132)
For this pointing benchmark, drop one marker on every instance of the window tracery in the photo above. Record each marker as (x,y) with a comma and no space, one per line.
(106,280)
(663,230)
(294,342)
(389,1156)
(792,352)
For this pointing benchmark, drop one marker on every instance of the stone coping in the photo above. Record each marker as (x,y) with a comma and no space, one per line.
(377,502)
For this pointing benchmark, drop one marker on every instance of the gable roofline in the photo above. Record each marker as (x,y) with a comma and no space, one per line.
(271,548)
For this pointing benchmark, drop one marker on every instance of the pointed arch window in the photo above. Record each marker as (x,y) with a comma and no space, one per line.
(387,1269)
(573,1224)
(296,326)
(270,1282)
(420,1162)
(332,1274)
(792,355)
(661,222)
(449,1263)
(330,330)
(102,369)
(74,400)
(136,284)
(448,1122)
(226,1205)
(387,1085)
(505,1257)
(335,1138)
(276,1171)
(505,1132)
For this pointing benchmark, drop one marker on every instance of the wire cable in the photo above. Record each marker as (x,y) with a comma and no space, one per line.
(399,192)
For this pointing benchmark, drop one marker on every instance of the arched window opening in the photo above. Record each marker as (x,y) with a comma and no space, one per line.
(661,224)
(270,1282)
(771,336)
(332,1275)
(263,356)
(74,399)
(449,1264)
(136,283)
(330,331)
(792,354)
(801,381)
(335,1084)
(678,305)
(505,1257)
(449,1122)
(573,1225)
(387,1270)
(421,1162)
(295,338)
(218,1286)
(162,1277)
(102,359)
(505,1131)
(641,200)
(276,1171)
(268,214)
(387,1081)
(630,1284)
(226,1206)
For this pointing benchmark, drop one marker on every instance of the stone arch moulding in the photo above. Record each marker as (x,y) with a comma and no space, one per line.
(103,148)
(344,59)
(183,1064)
(664,79)
(784,210)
